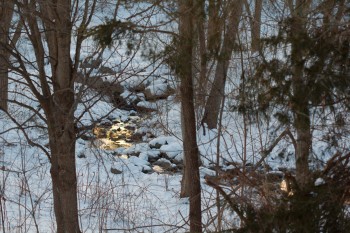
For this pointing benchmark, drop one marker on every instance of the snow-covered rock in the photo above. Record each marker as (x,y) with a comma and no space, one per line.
(162,140)
(146,106)
(172,149)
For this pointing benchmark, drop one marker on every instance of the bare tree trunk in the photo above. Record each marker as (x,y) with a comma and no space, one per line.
(304,139)
(186,179)
(6,11)
(200,31)
(256,26)
(215,26)
(64,182)
(212,108)
(191,154)
(300,105)
(61,127)
(3,81)
(57,101)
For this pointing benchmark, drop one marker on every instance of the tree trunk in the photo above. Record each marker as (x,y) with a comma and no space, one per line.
(186,180)
(212,108)
(300,107)
(202,80)
(6,11)
(256,26)
(215,26)
(191,178)
(304,142)
(3,81)
(59,111)
(63,173)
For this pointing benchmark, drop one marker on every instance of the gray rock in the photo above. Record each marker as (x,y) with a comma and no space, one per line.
(155,146)
(164,163)
(116,171)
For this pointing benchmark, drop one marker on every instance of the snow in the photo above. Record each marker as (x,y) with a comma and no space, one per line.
(319,181)
(163,140)
(147,105)
(133,165)
(132,200)
(130,97)
(137,148)
(172,149)
(203,171)
(157,89)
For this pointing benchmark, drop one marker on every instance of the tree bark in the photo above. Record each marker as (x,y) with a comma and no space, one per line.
(6,12)
(256,26)
(212,108)
(215,26)
(191,178)
(57,100)
(300,107)
(202,81)
(61,120)
(63,173)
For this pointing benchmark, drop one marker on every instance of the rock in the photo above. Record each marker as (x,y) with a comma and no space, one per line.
(116,121)
(178,159)
(86,137)
(129,127)
(163,140)
(132,98)
(152,160)
(146,107)
(150,135)
(203,171)
(116,171)
(120,102)
(163,163)
(172,149)
(136,137)
(134,153)
(155,145)
(138,88)
(180,166)
(173,169)
(106,123)
(164,155)
(158,91)
(133,113)
(147,170)
(81,155)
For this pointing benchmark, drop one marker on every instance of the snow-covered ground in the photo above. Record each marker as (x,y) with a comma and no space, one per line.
(129,199)
(120,190)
